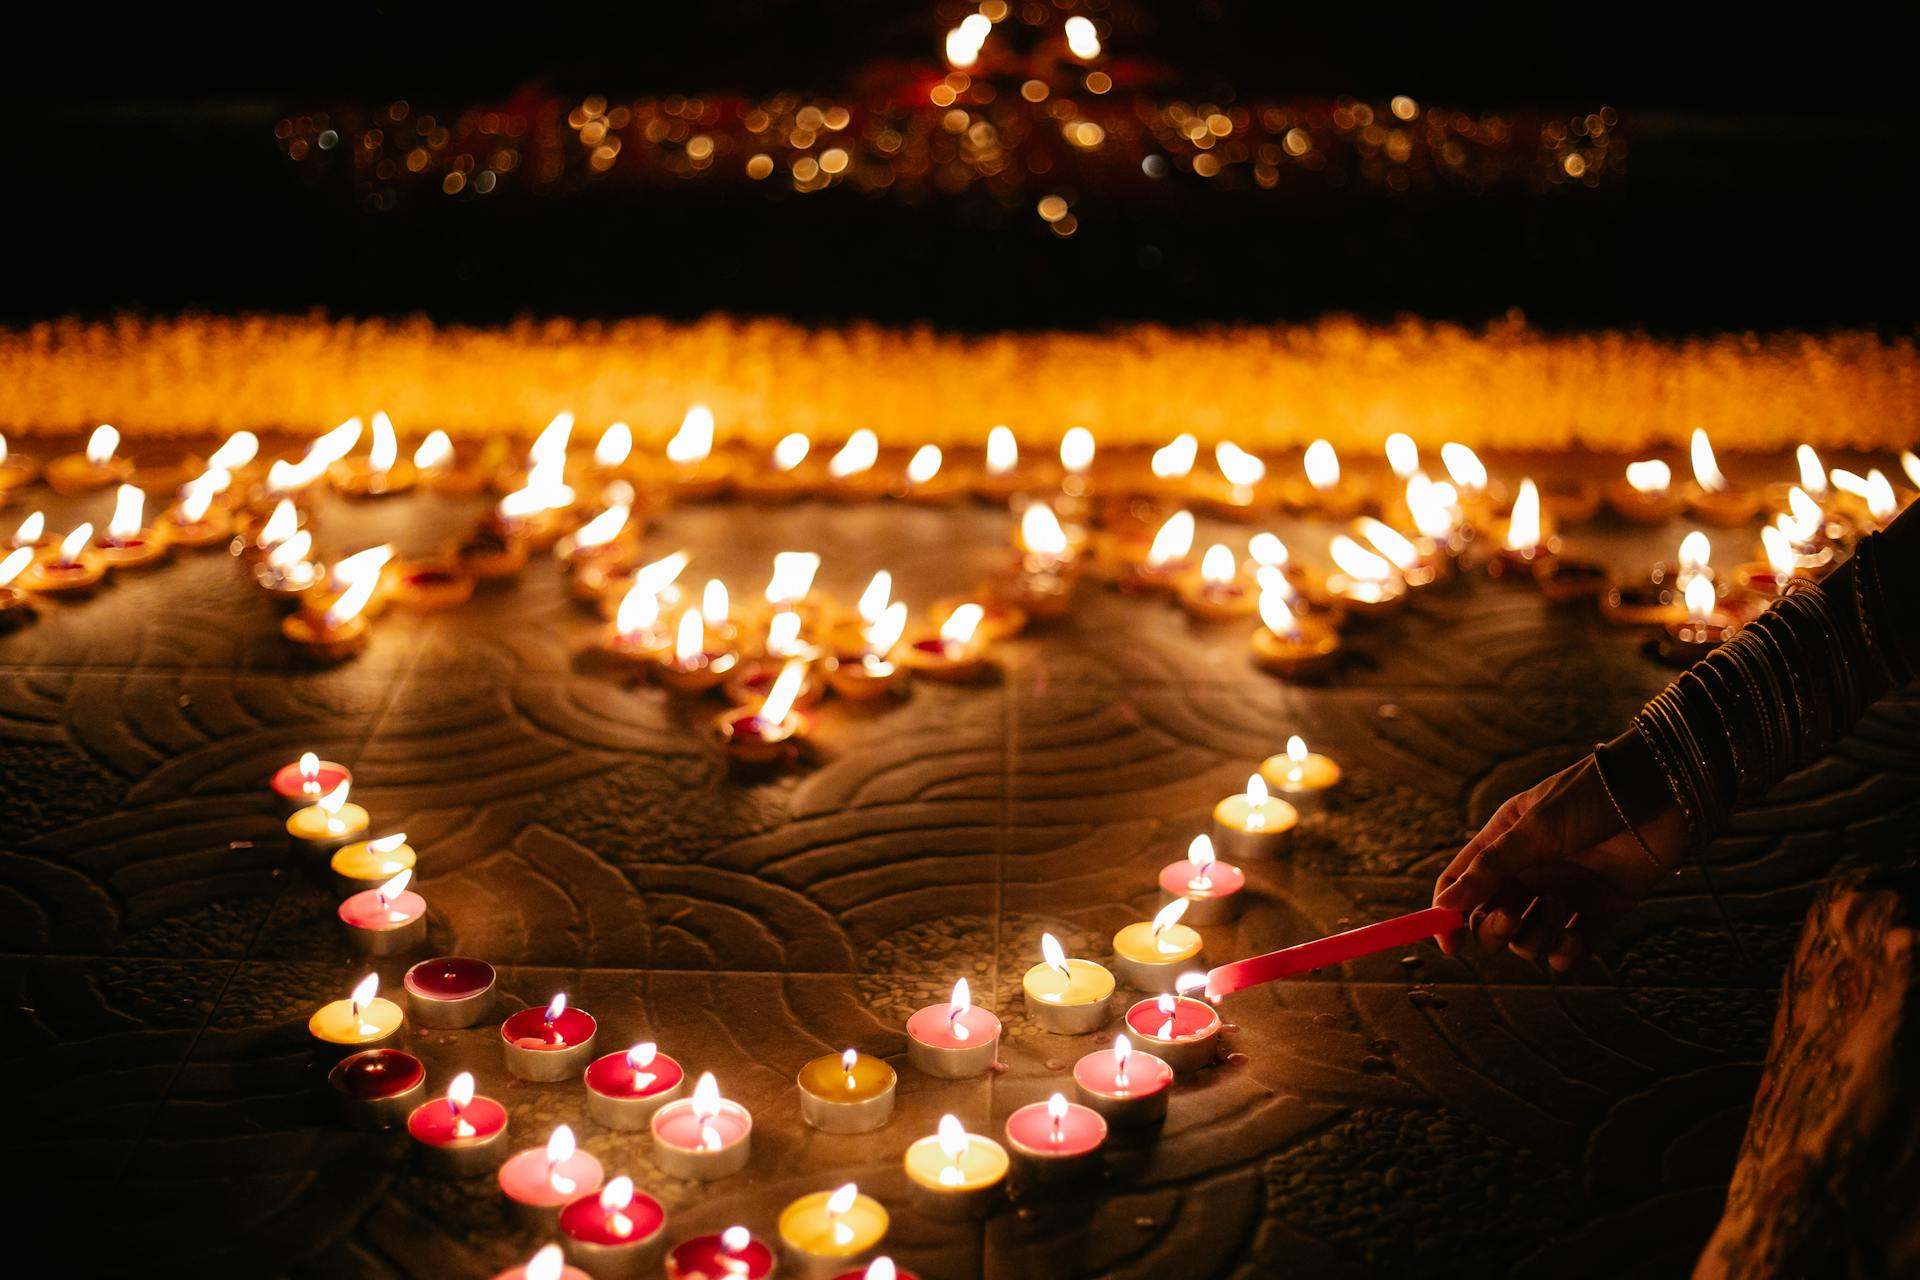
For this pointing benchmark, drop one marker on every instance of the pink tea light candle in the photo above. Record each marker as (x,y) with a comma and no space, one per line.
(461,1135)
(540,1180)
(624,1089)
(548,1264)
(297,785)
(387,920)
(377,1088)
(1181,1031)
(1211,889)
(548,1044)
(362,1021)
(953,1040)
(448,992)
(1055,1141)
(616,1234)
(1127,1088)
(733,1254)
(704,1137)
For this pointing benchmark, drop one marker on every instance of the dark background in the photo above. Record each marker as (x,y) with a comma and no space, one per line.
(1766,187)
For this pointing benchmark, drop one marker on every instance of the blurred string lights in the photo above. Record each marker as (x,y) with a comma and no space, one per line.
(1037,107)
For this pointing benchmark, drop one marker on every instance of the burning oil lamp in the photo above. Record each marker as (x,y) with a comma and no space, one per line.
(871,672)
(1564,579)
(377,1088)
(1128,1088)
(999,619)
(657,579)
(436,465)
(1323,491)
(450,992)
(1000,476)
(716,610)
(955,652)
(369,562)
(636,635)
(364,1020)
(1434,508)
(1237,492)
(462,1135)
(732,1254)
(703,1137)
(1044,577)
(297,785)
(1076,464)
(791,590)
(1808,533)
(30,533)
(1055,1141)
(493,552)
(956,1175)
(1645,494)
(1365,584)
(286,574)
(691,667)
(1179,1029)
(1710,497)
(850,471)
(823,1233)
(15,470)
(770,731)
(539,1180)
(1304,777)
(610,456)
(257,536)
(784,478)
(625,1088)
(783,644)
(430,585)
(1705,628)
(92,470)
(331,821)
(1403,457)
(1768,577)
(1526,545)
(1813,482)
(548,1044)
(605,542)
(695,470)
(954,1039)
(1419,565)
(846,1092)
(548,1263)
(1163,562)
(1170,468)
(15,605)
(1149,955)
(1870,501)
(1288,643)
(1216,592)
(1654,600)
(618,1234)
(72,568)
(196,521)
(546,456)
(928,481)
(340,629)
(1066,996)
(1479,496)
(1213,890)
(381,472)
(387,920)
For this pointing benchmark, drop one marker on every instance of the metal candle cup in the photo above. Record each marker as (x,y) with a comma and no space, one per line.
(1186,1037)
(1213,893)
(360,866)
(1305,778)
(378,1088)
(956,1175)
(1127,1087)
(548,1044)
(846,1092)
(449,992)
(953,1041)
(615,1243)
(1055,1142)
(724,1256)
(625,1089)
(294,787)
(702,1139)
(361,1021)
(314,833)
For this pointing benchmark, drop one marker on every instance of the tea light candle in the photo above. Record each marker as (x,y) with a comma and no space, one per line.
(956,1174)
(1287,642)
(1181,1031)
(1127,1088)
(772,731)
(1211,889)
(72,568)
(733,1254)
(1710,497)
(823,1233)
(955,652)
(364,1020)
(548,1044)
(540,1180)
(368,864)
(846,1092)
(327,824)
(548,1264)
(461,1135)
(1305,777)
(691,667)
(88,472)
(303,782)
(1251,825)
(953,1040)
(377,1088)
(1645,494)
(449,992)
(615,1235)
(387,920)
(1055,1141)
(624,1089)
(704,1137)
(1149,955)
(1066,997)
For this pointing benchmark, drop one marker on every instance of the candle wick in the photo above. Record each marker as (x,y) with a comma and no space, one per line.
(1200,883)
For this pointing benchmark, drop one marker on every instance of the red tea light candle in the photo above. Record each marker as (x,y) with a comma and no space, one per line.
(1646,493)
(955,1040)
(1055,1141)
(364,1020)
(772,731)
(196,520)
(954,653)
(330,822)
(548,1044)
(1212,890)
(1128,1088)
(618,1234)
(1525,545)
(449,992)
(824,1233)
(539,1180)
(692,667)
(956,1175)
(461,1135)
(1181,1031)
(377,1088)
(387,920)
(1251,825)
(1216,592)
(702,1138)
(338,631)
(846,1092)
(381,472)
(1711,497)
(91,471)
(625,1089)
(550,1263)
(1066,997)
(732,1254)
(1291,644)
(785,476)
(881,1268)
(1366,585)
(306,780)
(1304,777)
(73,568)
(1705,628)
(1150,955)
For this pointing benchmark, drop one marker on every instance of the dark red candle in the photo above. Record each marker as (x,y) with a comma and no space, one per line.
(450,977)
(378,1073)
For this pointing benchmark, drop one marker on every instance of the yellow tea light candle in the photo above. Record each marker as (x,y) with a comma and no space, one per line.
(364,1020)
(1151,955)
(368,864)
(846,1092)
(327,824)
(829,1231)
(956,1174)
(1066,997)
(1248,826)
(1302,776)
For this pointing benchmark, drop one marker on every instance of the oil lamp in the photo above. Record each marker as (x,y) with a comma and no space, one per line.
(784,478)
(850,472)
(1418,564)
(928,481)
(287,575)
(1076,463)
(637,634)
(1324,492)
(1403,457)
(1526,545)
(1043,582)
(1645,494)
(72,568)
(1479,496)
(340,629)
(1367,585)
(1710,497)
(954,652)
(1768,577)
(1812,481)
(1705,628)
(16,607)
(196,520)
(694,469)
(1002,474)
(771,731)
(127,542)
(1655,598)
(1216,592)
(430,585)
(381,472)
(1166,558)
(1288,643)
(30,533)
(1868,500)
(15,470)
(691,667)
(870,671)
(92,470)
(1237,491)
(1171,465)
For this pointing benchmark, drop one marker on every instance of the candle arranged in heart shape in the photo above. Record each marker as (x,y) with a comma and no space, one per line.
(362,1021)
(1211,889)
(1250,825)
(548,1044)
(1304,777)
(703,1137)
(733,1254)
(619,1232)
(326,824)
(827,1230)
(386,920)
(377,1088)
(953,1040)
(1066,997)
(1151,954)
(624,1089)
(447,992)
(956,1174)
(846,1093)
(1129,1089)
(303,782)
(548,1264)
(1178,1029)
(1055,1141)
(368,864)
(541,1179)
(461,1135)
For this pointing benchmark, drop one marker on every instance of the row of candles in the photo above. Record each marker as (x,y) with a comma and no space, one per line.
(611,1229)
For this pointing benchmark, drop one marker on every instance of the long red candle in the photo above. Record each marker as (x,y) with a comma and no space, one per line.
(1321,952)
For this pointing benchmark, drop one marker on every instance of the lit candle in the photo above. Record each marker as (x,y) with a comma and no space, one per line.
(956,1174)
(1324,492)
(1711,497)
(548,1044)
(1055,1141)
(434,462)
(197,520)
(449,992)
(1645,494)
(953,1040)
(1769,576)
(784,478)
(92,470)
(732,1254)
(611,453)
(31,532)
(1150,954)
(15,470)
(1403,456)
(1525,544)
(549,1263)
(625,1088)
(617,1233)
(1869,499)
(1419,564)
(327,823)
(303,782)
(381,472)
(1705,628)
(881,1268)
(771,731)
(1076,461)
(606,543)
(1211,889)
(697,471)
(927,480)
(1001,476)
(1166,559)
(539,1180)
(1366,584)
(954,652)
(1287,642)
(1066,997)
(1181,1031)
(497,548)
(368,864)
(386,920)
(846,1092)
(1128,1088)
(377,1088)
(1216,592)
(72,568)
(1304,777)
(1171,465)
(692,667)
(850,471)
(1477,494)
(1237,494)
(871,672)
(340,629)
(364,1020)
(16,607)
(637,635)
(704,1137)
(822,1233)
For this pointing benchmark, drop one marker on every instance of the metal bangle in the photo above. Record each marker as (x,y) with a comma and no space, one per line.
(1621,813)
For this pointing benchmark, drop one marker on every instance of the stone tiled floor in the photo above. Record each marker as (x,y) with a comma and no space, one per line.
(1409,1115)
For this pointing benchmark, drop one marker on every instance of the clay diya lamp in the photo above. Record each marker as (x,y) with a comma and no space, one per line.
(771,731)
(691,666)
(1525,544)
(1320,489)
(1005,474)
(1813,483)
(1572,498)
(870,673)
(337,631)
(31,533)
(1706,627)
(1653,600)
(1646,493)
(999,619)
(73,568)
(928,480)
(953,653)
(1216,592)
(786,475)
(1239,489)
(1364,585)
(438,466)
(1711,497)
(492,553)
(1296,646)
(607,543)
(1420,561)
(16,607)
(15,469)
(287,576)
(1565,579)
(853,472)
(429,586)
(1769,577)
(97,468)
(1145,558)
(198,520)
(694,470)
(381,472)
(636,636)
(127,542)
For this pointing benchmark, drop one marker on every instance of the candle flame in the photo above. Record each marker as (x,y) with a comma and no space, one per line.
(881,1268)
(1807,517)
(791,451)
(550,446)
(3,447)
(1165,919)
(710,1139)
(196,495)
(1076,450)
(75,543)
(962,49)
(1040,531)
(361,564)
(1779,550)
(285,555)
(957,1006)
(1403,455)
(1083,41)
(615,445)
(1055,955)
(694,441)
(335,800)
(1696,553)
(363,996)
(641,1056)
(1464,467)
(347,606)
(1881,504)
(1523,526)
(658,576)
(1003,451)
(236,451)
(1200,849)
(873,601)
(847,1061)
(690,642)
(31,530)
(924,465)
(617,1194)
(638,612)
(1700,599)
(1357,562)
(1706,471)
(560,1145)
(1652,476)
(1267,550)
(129,510)
(1238,466)
(603,528)
(786,688)
(385,449)
(1173,460)
(1813,476)
(793,573)
(842,1200)
(953,1138)
(957,631)
(1057,1110)
(714,603)
(1296,750)
(460,1092)
(281,525)
(1910,463)
(783,634)
(1217,566)
(1389,543)
(858,454)
(548,1264)
(1172,541)
(556,1007)
(434,452)
(101,444)
(1122,1050)
(883,634)
(1433,506)
(387,844)
(394,887)
(17,560)
(735,1239)
(332,446)
(1322,465)
(1275,616)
